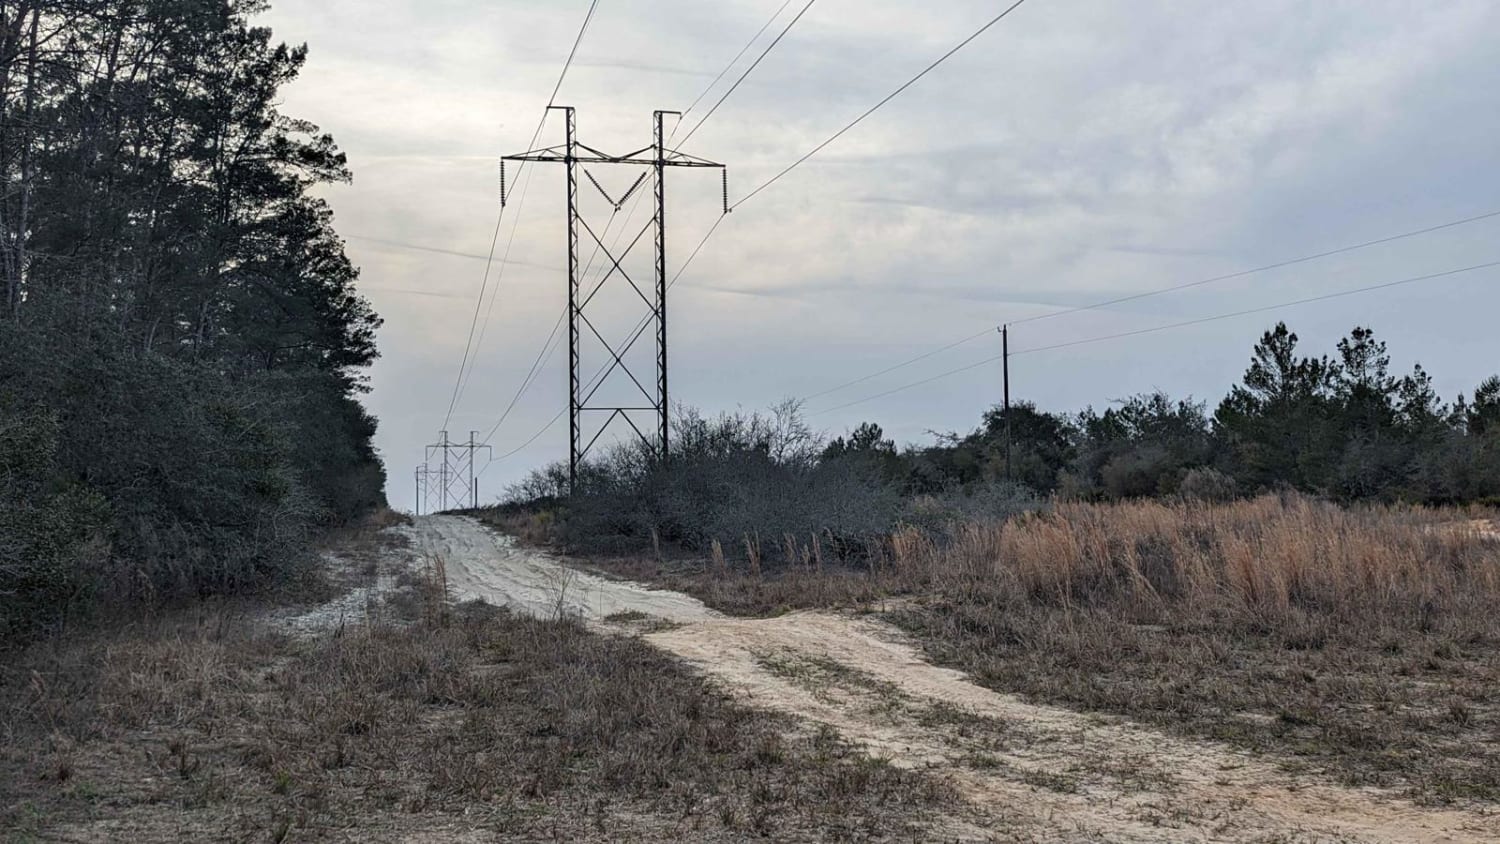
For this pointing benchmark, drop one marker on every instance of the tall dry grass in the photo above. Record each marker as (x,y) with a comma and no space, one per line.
(1266,557)
(1362,640)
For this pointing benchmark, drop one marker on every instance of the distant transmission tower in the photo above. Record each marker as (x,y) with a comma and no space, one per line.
(424,486)
(457,483)
(654,160)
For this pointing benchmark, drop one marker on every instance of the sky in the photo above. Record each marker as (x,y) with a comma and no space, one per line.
(1078,151)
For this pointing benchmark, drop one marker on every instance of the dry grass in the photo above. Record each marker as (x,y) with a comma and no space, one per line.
(533,527)
(743,588)
(769,593)
(468,721)
(1268,559)
(1362,641)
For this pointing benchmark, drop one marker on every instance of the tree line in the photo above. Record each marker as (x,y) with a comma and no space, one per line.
(1342,427)
(181,343)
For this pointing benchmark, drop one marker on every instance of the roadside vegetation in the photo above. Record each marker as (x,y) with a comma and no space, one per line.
(765,490)
(1361,641)
(415,718)
(1310,571)
(181,345)
(1354,640)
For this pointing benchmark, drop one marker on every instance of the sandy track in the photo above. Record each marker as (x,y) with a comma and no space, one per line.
(490,567)
(1028,772)
(1038,772)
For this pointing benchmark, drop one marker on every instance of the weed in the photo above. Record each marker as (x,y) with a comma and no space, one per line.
(529,723)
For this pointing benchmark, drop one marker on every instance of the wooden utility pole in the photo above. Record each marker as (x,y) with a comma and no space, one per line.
(1005,355)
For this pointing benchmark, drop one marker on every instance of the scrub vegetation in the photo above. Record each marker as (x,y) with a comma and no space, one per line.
(1309,571)
(414,718)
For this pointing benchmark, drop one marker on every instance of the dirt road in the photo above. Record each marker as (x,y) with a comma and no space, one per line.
(490,567)
(1029,772)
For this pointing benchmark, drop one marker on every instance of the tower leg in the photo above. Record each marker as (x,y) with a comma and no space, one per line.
(575,399)
(662,407)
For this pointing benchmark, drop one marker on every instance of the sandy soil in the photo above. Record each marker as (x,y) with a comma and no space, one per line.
(1028,771)
(1063,774)
(359,604)
(490,567)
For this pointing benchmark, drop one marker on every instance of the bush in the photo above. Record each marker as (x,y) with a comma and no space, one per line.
(743,481)
(980,504)
(760,486)
(135,476)
(1208,485)
(51,536)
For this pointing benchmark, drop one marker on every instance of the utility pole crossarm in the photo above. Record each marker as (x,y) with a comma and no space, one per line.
(582,153)
(673,158)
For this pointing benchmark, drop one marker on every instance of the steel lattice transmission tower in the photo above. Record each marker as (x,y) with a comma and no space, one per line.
(455,478)
(654,160)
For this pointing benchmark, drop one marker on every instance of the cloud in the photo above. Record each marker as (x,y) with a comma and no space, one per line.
(1079,151)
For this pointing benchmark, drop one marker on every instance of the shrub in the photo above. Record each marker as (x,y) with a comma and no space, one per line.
(131,476)
(1208,485)
(986,503)
(746,481)
(52,543)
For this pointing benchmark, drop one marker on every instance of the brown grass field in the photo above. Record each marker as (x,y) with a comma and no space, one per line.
(1359,645)
(419,721)
(1363,642)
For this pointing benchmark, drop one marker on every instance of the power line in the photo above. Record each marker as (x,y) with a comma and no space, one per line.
(1154,329)
(547,346)
(732,62)
(839,133)
(1309,300)
(1276,266)
(696,249)
(365,288)
(521,202)
(910,386)
(721,75)
(1132,297)
(544,429)
(847,384)
(523,446)
(641,326)
(910,82)
(749,70)
(536,364)
(500,217)
(545,353)
(836,135)
(418,247)
(485,329)
(829,141)
(478,303)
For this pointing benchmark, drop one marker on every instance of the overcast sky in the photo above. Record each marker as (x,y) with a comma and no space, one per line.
(1078,151)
